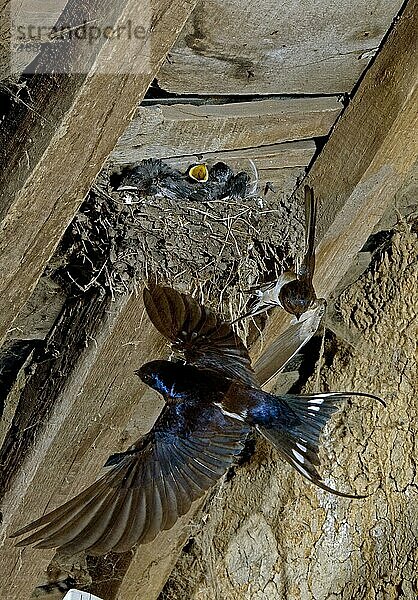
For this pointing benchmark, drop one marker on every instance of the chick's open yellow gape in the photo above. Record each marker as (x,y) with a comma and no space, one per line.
(199,172)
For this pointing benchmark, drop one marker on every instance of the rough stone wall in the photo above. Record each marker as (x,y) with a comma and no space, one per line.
(265,534)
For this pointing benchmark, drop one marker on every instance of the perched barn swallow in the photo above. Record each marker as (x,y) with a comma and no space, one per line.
(293,291)
(212,402)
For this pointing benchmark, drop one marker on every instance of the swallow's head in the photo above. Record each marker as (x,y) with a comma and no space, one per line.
(161,375)
(296,298)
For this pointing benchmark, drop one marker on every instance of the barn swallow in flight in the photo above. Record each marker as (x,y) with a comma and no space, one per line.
(293,291)
(212,402)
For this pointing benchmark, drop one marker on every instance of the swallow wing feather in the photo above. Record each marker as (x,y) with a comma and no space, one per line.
(147,488)
(289,343)
(201,335)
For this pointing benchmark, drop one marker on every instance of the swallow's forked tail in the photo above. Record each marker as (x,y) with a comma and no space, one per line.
(296,433)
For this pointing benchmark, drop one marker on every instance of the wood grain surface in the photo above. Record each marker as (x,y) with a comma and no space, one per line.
(184,129)
(52,149)
(310,47)
(370,153)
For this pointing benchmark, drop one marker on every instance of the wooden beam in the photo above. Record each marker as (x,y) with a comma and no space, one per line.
(185,129)
(266,158)
(156,560)
(266,47)
(54,145)
(97,408)
(368,156)
(19,13)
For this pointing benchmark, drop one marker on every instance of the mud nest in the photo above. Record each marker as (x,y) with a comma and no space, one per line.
(212,239)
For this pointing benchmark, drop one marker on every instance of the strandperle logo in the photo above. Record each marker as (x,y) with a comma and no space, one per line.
(45,37)
(86,31)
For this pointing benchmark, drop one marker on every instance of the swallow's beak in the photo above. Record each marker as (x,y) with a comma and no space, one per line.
(126,188)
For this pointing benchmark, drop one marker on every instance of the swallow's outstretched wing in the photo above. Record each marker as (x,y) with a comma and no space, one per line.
(200,334)
(289,343)
(146,488)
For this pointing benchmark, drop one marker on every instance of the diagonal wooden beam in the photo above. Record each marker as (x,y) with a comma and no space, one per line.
(54,145)
(95,405)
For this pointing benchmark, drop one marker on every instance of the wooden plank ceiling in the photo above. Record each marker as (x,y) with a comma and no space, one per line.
(267,50)
(276,47)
